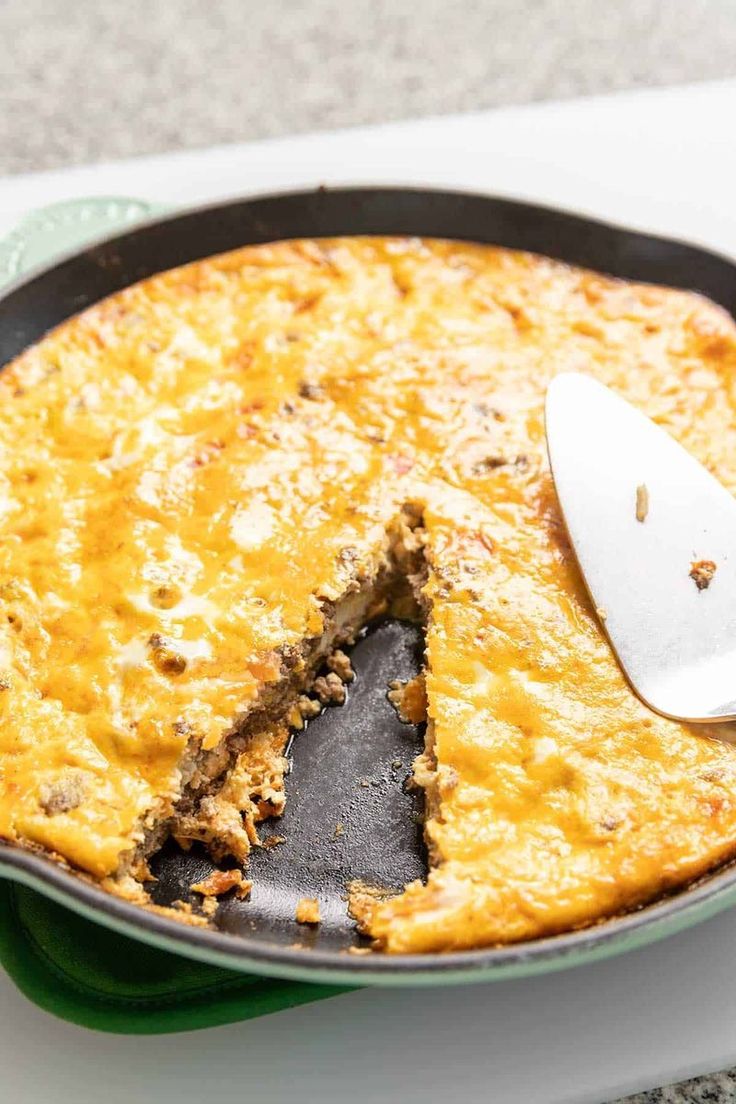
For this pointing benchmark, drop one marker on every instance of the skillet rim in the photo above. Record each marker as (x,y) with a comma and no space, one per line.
(711,894)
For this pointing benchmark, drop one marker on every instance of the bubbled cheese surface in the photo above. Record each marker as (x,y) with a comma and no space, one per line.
(190,469)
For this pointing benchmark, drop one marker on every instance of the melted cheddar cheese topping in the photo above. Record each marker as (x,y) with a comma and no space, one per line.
(190,470)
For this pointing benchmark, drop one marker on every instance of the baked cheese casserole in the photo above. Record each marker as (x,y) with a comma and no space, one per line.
(210,482)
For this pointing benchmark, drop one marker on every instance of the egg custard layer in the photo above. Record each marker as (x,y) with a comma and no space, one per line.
(212,478)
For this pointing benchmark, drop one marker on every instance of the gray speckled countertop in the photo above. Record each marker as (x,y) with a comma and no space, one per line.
(98,79)
(95,80)
(720,1088)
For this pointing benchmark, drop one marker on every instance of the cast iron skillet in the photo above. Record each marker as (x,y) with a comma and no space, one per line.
(349,769)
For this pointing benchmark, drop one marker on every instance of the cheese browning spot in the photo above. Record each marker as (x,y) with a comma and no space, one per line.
(165,658)
(702,572)
(165,597)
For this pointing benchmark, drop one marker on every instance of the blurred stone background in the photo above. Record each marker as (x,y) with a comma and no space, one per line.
(97,79)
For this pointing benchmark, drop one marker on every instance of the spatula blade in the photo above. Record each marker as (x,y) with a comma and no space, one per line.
(655,536)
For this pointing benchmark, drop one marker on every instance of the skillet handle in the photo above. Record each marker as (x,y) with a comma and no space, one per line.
(49,232)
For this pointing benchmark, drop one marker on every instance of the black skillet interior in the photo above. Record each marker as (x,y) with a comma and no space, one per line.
(349,813)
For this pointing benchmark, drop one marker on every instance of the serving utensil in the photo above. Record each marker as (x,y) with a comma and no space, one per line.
(655,536)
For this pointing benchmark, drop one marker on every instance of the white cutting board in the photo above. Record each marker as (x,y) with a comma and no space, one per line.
(663,161)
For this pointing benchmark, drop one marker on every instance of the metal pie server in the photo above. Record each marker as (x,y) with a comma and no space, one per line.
(655,537)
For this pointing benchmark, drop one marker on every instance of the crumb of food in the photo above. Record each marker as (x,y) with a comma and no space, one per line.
(423,771)
(364,783)
(165,657)
(642,502)
(307,911)
(311,391)
(273,841)
(294,717)
(330,689)
(359,950)
(409,699)
(488,464)
(63,794)
(340,664)
(339,830)
(702,572)
(182,912)
(210,906)
(603,614)
(308,707)
(396,764)
(221,881)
